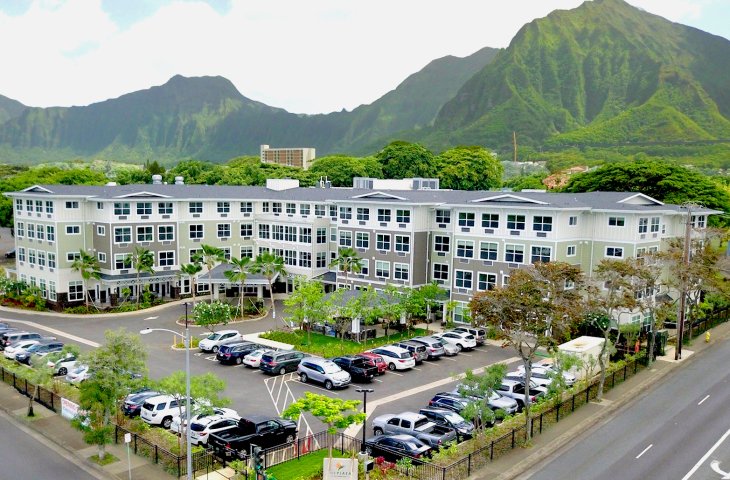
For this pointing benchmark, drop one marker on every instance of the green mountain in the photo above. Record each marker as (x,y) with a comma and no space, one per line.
(602,73)
(9,108)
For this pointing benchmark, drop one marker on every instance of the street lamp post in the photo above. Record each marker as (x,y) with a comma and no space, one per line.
(364,392)
(186,336)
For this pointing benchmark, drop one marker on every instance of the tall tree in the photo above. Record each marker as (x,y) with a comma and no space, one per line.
(341,169)
(537,308)
(143,261)
(307,304)
(469,168)
(479,388)
(270,266)
(347,261)
(191,270)
(238,274)
(406,160)
(88,266)
(210,256)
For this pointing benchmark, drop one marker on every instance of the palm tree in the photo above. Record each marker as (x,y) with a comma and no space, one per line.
(209,256)
(238,275)
(269,265)
(88,265)
(143,260)
(348,261)
(191,270)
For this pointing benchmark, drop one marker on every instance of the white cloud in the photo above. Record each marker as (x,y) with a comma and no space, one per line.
(314,56)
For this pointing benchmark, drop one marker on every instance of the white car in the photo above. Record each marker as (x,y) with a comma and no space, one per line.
(212,342)
(541,372)
(201,427)
(18,347)
(177,426)
(78,374)
(63,365)
(160,410)
(396,358)
(461,340)
(253,359)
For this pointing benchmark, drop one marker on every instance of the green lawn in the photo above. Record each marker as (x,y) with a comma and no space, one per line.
(304,468)
(331,347)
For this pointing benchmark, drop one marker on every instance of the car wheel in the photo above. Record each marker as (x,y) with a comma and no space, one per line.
(214,349)
(238,360)
(369,451)
(391,366)
(303,378)
(290,438)
(62,371)
(377,431)
(282,370)
(166,422)
(328,385)
(458,347)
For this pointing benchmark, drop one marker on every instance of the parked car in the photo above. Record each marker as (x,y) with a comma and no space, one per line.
(134,401)
(323,371)
(464,428)
(40,349)
(539,377)
(414,424)
(395,447)
(212,342)
(375,360)
(449,349)
(264,431)
(10,337)
(396,358)
(358,367)
(17,347)
(516,389)
(201,429)
(480,334)
(280,362)
(418,350)
(461,340)
(160,410)
(434,347)
(449,401)
(495,400)
(546,371)
(78,374)
(63,365)
(177,423)
(253,359)
(231,353)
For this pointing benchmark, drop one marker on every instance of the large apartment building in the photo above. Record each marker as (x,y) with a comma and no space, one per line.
(410,233)
(291,157)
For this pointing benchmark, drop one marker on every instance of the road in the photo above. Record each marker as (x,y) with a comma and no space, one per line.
(679,430)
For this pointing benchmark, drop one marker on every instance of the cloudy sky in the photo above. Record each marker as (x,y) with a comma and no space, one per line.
(308,56)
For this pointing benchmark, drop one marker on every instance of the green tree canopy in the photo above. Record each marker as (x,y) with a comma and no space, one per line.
(340,169)
(406,160)
(469,168)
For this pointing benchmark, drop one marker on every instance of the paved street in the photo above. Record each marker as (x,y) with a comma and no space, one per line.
(678,431)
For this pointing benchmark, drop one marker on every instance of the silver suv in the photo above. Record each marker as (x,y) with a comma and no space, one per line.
(323,371)
(418,350)
(434,347)
(480,334)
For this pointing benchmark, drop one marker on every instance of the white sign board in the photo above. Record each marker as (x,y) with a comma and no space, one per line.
(69,409)
(340,468)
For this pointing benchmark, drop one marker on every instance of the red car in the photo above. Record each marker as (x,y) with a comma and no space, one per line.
(375,360)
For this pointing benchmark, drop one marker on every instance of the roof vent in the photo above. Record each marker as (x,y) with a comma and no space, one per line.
(156,179)
(179,181)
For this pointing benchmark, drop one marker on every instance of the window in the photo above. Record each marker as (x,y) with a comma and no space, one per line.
(322,235)
(515,222)
(573,221)
(21,254)
(50,233)
(363,214)
(167,259)
(488,250)
(99,205)
(31,256)
(246,252)
(319,210)
(101,230)
(698,221)
(51,260)
(43,288)
(616,221)
(164,208)
(305,235)
(277,232)
(70,229)
(382,241)
(465,248)
(466,219)
(401,271)
(384,215)
(486,281)
(39,206)
(290,234)
(144,234)
(402,243)
(382,269)
(345,213)
(570,251)
(540,254)
(514,253)
(195,254)
(121,208)
(333,211)
(440,271)
(403,216)
(247,230)
(165,233)
(362,240)
(196,231)
(144,208)
(291,208)
(321,259)
(364,266)
(643,225)
(490,220)
(655,224)
(42,258)
(120,261)
(101,256)
(75,291)
(290,257)
(462,279)
(29,205)
(18,205)
(265,208)
(304,209)
(224,230)
(69,204)
(264,231)
(19,229)
(41,232)
(246,207)
(345,239)
(305,259)
(195,207)
(443,216)
(542,224)
(227,253)
(31,230)
(276,207)
(122,234)
(615,252)
(51,290)
(333,234)
(223,207)
(441,244)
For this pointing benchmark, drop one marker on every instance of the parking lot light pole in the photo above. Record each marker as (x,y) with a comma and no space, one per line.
(364,392)
(186,336)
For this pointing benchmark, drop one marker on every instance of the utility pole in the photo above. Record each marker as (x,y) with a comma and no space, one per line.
(514,146)
(683,297)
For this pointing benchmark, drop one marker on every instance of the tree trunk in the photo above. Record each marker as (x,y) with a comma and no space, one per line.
(528,403)
(31,413)
(650,346)
(602,364)
(273,306)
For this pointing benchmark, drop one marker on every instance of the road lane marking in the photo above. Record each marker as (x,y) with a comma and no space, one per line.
(150,318)
(706,456)
(377,380)
(59,333)
(645,450)
(715,465)
(702,401)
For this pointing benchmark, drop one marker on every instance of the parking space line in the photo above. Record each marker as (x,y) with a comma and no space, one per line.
(395,373)
(466,354)
(449,359)
(377,380)
(416,368)
(57,332)
(314,386)
(481,350)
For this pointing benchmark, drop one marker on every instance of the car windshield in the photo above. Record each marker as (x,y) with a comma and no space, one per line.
(331,368)
(197,427)
(255,354)
(213,336)
(405,355)
(469,337)
(34,347)
(453,418)
(80,369)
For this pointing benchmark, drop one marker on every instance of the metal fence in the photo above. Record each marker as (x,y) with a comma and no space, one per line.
(45,397)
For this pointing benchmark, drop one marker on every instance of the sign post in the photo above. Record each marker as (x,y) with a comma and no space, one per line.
(340,469)
(128,440)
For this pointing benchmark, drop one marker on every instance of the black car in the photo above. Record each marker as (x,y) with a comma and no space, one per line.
(395,447)
(449,418)
(281,362)
(39,349)
(449,401)
(134,401)
(234,352)
(358,367)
